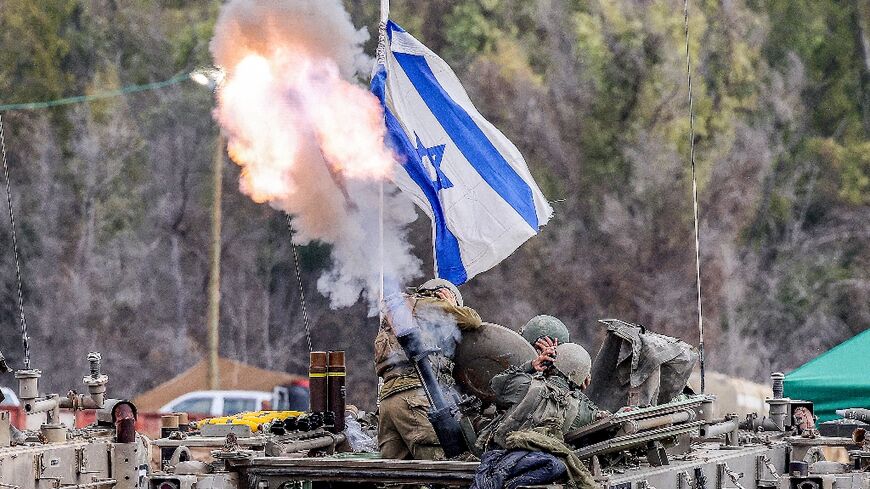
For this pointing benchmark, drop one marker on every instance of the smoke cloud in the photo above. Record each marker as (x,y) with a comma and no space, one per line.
(309,139)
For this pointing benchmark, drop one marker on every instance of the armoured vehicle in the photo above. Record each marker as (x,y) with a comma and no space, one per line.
(107,454)
(677,444)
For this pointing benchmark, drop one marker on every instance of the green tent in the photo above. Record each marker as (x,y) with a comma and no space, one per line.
(836,379)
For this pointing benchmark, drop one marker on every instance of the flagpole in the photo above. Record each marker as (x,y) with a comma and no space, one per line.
(381,59)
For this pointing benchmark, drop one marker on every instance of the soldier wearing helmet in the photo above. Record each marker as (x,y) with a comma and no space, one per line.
(544,326)
(550,399)
(436,308)
(544,333)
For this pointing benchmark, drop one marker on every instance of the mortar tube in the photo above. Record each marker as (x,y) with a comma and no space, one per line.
(317,382)
(441,411)
(336,378)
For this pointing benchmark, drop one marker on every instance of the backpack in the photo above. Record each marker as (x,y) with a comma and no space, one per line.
(545,407)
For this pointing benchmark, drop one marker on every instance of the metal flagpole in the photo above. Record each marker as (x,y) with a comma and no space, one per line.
(381,59)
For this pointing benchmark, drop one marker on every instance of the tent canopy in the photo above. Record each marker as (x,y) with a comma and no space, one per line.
(836,379)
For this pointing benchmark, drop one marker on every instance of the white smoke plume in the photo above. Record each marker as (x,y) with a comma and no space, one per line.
(310,139)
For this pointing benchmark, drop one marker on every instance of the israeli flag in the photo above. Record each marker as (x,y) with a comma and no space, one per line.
(463,172)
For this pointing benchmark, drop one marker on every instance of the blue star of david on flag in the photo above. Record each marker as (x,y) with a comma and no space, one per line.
(435,155)
(494,204)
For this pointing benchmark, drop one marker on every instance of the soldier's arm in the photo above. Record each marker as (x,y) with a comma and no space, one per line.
(528,367)
(587,413)
(398,312)
(466,317)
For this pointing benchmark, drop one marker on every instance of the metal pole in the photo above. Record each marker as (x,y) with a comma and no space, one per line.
(385,10)
(381,59)
(382,39)
(214,277)
(694,196)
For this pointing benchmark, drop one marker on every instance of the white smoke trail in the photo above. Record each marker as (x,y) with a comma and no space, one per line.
(309,139)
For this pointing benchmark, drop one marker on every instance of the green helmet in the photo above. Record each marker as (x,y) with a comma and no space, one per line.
(440,283)
(543,325)
(573,361)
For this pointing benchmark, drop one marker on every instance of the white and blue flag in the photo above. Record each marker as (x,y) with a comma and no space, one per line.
(463,172)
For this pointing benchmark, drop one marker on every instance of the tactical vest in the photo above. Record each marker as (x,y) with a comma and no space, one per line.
(545,407)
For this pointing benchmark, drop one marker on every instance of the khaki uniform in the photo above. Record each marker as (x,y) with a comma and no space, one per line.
(404,430)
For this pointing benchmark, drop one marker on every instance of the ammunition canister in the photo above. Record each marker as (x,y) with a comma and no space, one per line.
(317,382)
(168,425)
(183,422)
(336,377)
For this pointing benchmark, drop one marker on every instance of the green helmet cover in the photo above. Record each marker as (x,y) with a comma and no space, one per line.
(543,325)
(573,361)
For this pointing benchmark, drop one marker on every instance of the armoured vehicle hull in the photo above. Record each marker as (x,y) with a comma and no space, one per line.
(679,445)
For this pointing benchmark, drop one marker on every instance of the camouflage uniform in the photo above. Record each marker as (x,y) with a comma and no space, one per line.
(567,408)
(404,430)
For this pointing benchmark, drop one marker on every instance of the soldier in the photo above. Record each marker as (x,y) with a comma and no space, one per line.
(544,333)
(541,407)
(557,384)
(404,430)
(544,327)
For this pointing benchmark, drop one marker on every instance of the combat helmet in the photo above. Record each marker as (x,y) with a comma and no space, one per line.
(573,361)
(544,325)
(440,283)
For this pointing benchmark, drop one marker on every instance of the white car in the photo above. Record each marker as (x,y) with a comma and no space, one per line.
(218,403)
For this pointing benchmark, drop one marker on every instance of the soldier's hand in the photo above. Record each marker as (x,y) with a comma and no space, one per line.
(545,343)
(544,360)
(445,294)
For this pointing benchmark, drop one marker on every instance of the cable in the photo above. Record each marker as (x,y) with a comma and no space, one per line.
(87,98)
(299,282)
(694,193)
(25,341)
